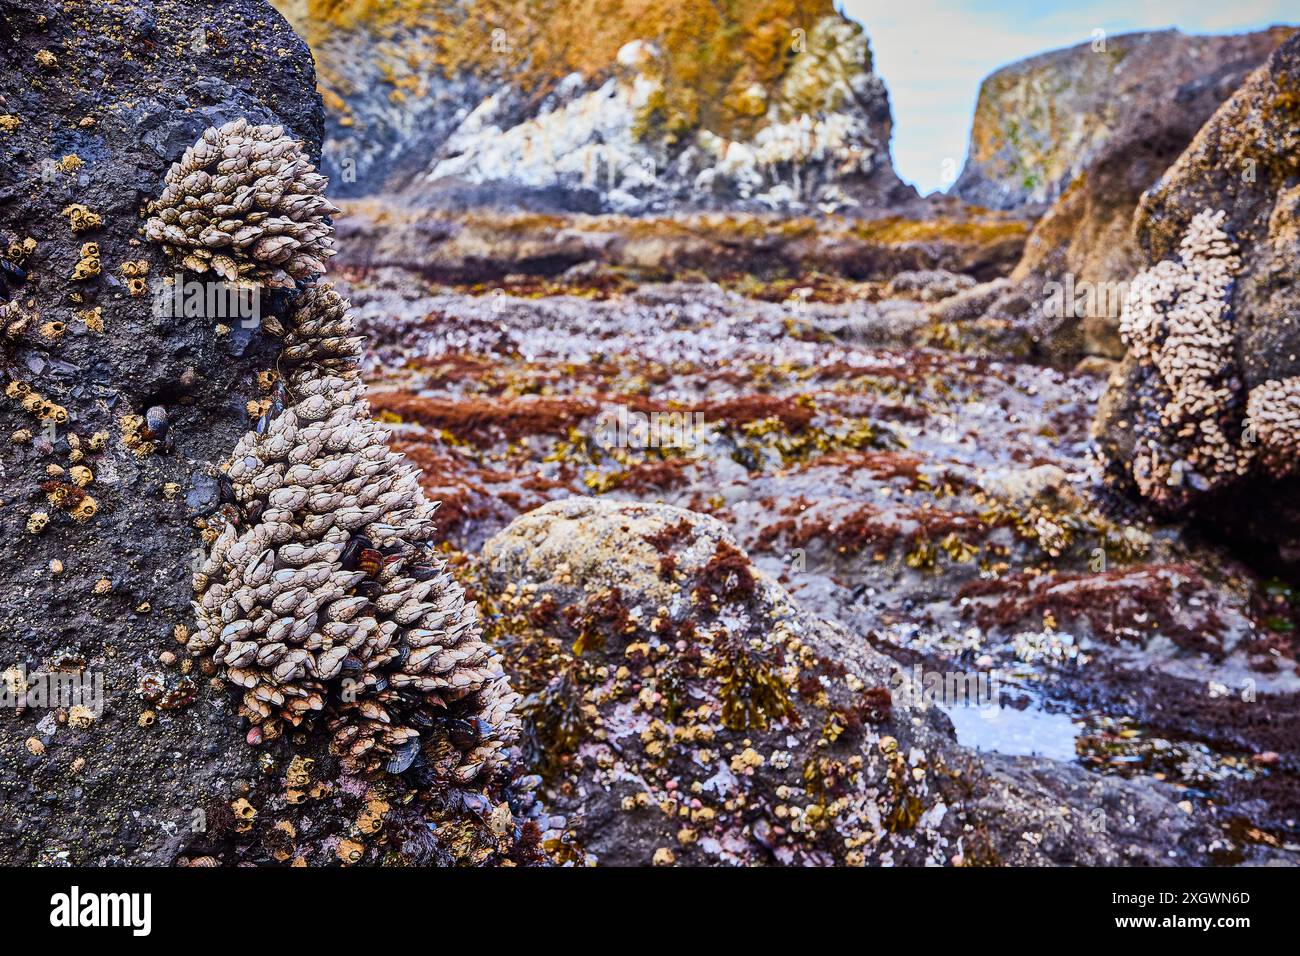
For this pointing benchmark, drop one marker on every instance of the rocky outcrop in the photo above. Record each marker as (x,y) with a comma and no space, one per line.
(126,387)
(1089,131)
(497,102)
(1201,406)
(478,246)
(682,708)
(1040,122)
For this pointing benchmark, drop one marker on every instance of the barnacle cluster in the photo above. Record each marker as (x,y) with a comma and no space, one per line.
(36,404)
(1273,424)
(1176,321)
(88,265)
(326,595)
(245,202)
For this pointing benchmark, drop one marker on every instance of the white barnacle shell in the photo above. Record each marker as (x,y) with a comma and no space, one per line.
(251,194)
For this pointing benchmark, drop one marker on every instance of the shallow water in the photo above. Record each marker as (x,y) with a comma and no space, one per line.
(1030,732)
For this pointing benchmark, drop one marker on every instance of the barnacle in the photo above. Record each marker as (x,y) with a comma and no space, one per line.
(327,595)
(85,509)
(81,218)
(1273,422)
(88,265)
(245,202)
(1176,321)
(136,435)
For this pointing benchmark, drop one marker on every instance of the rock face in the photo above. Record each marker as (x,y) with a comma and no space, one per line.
(1042,121)
(495,101)
(118,413)
(683,709)
(1091,147)
(1203,420)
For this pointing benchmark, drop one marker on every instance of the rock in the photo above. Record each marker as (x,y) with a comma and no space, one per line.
(486,246)
(145,104)
(437,100)
(1242,163)
(678,697)
(929,285)
(1042,121)
(1093,165)
(133,404)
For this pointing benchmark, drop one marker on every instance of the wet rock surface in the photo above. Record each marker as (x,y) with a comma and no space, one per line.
(940,510)
(793,548)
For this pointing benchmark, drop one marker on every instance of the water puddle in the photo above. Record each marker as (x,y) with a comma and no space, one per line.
(1030,732)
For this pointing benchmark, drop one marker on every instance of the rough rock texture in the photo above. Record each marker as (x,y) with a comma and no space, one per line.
(1085,238)
(1042,121)
(1243,162)
(480,246)
(1089,132)
(119,413)
(625,106)
(684,709)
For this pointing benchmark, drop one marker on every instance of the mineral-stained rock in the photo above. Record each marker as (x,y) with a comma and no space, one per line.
(1107,137)
(1244,163)
(1042,121)
(627,108)
(679,702)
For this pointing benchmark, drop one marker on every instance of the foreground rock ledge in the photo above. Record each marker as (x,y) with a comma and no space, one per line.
(683,709)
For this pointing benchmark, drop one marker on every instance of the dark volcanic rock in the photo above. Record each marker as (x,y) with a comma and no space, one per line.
(96,105)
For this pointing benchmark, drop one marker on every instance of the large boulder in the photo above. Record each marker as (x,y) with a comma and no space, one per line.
(1201,416)
(486,103)
(1128,113)
(124,745)
(682,708)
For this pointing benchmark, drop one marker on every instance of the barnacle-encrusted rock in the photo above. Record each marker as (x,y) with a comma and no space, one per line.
(1243,161)
(682,698)
(245,202)
(1177,326)
(1273,424)
(327,596)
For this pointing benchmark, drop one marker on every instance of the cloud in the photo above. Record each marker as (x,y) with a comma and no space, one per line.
(933,54)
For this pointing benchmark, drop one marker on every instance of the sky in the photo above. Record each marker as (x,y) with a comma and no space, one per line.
(933,54)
